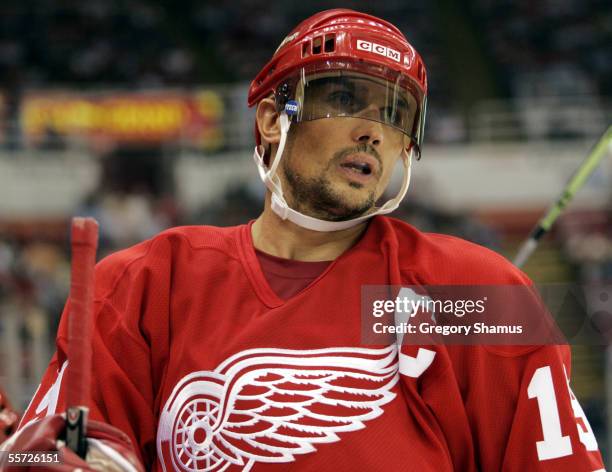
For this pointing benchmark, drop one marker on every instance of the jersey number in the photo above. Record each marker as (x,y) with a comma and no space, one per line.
(555,444)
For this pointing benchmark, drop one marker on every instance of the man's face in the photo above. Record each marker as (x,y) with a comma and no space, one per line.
(336,168)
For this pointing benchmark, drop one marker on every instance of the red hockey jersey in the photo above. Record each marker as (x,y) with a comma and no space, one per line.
(206,368)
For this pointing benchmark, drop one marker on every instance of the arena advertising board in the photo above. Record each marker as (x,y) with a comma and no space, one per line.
(56,118)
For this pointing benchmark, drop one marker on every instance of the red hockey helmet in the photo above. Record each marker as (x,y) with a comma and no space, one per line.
(342,44)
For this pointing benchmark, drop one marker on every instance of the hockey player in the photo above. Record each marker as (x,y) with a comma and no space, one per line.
(240,348)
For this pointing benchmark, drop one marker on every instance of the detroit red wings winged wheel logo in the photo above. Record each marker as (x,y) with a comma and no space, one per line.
(269,405)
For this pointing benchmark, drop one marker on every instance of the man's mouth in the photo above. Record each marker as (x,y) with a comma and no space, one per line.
(360,167)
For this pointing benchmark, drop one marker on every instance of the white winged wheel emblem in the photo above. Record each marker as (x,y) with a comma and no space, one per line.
(267,405)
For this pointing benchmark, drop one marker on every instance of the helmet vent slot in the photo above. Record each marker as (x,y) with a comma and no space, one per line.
(330,43)
(317,45)
(420,70)
(306,49)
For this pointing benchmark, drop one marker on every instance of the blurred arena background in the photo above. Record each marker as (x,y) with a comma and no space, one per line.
(134,112)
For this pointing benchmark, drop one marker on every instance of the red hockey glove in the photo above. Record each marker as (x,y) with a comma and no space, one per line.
(108,448)
(8,418)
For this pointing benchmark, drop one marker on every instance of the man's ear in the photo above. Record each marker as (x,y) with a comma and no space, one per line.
(268,121)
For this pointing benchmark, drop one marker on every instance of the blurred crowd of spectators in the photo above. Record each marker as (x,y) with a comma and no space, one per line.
(35,269)
(142,43)
(34,273)
(549,48)
(588,243)
(97,42)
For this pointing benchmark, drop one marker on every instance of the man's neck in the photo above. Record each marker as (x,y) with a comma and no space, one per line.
(285,239)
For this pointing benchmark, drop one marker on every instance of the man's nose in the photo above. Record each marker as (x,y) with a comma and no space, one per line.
(368,128)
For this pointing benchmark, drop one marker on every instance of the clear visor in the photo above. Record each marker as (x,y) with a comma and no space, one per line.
(352,94)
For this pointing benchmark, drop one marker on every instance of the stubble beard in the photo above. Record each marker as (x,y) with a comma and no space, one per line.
(316,197)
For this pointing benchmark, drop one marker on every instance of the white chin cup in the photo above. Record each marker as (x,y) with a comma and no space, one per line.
(282,209)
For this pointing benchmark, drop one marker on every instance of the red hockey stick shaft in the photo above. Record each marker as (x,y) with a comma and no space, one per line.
(84,236)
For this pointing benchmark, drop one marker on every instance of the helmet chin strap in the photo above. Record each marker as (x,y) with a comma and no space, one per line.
(285,212)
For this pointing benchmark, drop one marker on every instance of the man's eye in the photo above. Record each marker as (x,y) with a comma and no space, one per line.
(342,99)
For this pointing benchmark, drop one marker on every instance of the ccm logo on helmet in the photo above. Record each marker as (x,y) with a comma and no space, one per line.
(378,49)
